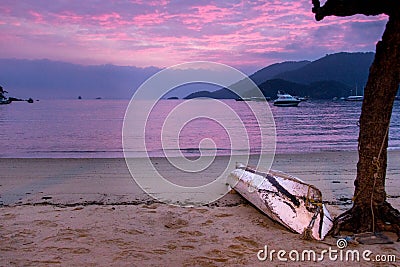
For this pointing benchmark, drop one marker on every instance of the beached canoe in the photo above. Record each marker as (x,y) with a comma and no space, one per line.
(285,199)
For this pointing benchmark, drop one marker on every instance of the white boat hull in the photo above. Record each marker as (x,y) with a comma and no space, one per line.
(285,199)
(287,104)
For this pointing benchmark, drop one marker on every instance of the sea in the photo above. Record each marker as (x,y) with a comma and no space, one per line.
(93,128)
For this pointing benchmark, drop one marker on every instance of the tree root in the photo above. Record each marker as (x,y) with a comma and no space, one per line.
(359,220)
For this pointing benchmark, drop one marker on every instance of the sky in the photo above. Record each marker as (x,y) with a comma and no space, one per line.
(244,34)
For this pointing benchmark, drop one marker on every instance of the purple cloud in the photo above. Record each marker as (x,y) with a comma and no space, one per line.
(246,34)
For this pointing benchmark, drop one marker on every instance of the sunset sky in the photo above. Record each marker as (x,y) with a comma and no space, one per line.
(142,33)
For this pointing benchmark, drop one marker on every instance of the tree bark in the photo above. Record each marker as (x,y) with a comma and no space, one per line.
(370,211)
(379,96)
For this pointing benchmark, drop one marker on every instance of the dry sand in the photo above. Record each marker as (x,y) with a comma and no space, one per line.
(90,212)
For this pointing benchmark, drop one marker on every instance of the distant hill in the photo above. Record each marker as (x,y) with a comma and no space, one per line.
(53,79)
(267,73)
(258,78)
(273,70)
(334,75)
(348,68)
(219,94)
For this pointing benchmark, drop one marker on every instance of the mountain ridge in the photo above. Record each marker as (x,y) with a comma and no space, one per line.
(348,68)
(45,78)
(334,75)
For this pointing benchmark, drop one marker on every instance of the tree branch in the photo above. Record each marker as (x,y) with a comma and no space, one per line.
(344,8)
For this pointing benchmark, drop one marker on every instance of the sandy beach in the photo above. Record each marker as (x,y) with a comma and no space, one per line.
(90,212)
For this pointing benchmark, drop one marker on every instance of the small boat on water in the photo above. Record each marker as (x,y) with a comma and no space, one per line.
(286,100)
(285,199)
(355,98)
(4,101)
(7,100)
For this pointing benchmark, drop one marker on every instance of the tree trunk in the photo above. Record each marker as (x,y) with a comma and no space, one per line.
(371,212)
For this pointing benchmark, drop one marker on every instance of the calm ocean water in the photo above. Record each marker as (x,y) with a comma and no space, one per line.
(93,128)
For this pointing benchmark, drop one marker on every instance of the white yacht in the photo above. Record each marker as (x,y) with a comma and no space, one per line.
(286,100)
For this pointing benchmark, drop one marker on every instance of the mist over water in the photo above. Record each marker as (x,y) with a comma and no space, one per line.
(93,129)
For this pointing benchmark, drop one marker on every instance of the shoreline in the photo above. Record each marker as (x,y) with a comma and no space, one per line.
(108,181)
(91,212)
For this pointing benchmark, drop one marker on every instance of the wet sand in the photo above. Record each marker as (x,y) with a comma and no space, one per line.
(90,212)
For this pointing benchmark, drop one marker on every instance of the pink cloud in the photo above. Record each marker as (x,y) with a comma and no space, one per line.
(37,17)
(151,2)
(67,17)
(152,19)
(202,15)
(166,32)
